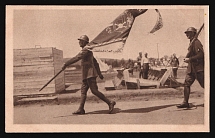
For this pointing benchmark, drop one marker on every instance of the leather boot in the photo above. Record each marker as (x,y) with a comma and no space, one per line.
(185,103)
(111,106)
(106,100)
(81,110)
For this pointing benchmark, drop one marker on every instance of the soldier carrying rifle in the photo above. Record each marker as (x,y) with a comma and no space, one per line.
(195,60)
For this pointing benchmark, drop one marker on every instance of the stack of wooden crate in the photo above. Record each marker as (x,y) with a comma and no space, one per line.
(34,67)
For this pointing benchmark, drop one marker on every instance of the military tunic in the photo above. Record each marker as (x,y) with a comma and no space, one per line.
(195,69)
(88,62)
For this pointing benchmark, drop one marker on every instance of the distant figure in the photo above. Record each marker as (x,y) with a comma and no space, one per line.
(135,66)
(175,64)
(130,66)
(139,58)
(145,66)
(90,71)
(195,69)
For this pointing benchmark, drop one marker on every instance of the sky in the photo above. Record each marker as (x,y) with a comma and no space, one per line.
(61,26)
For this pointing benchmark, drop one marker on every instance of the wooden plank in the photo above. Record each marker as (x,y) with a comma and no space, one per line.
(165,76)
(33,68)
(30,91)
(37,99)
(33,63)
(23,85)
(148,83)
(29,51)
(23,69)
(31,75)
(34,54)
(51,86)
(32,79)
(109,85)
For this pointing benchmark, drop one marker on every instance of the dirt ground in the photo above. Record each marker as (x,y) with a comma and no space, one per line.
(133,109)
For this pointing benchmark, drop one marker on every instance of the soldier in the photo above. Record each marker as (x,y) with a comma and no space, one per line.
(90,71)
(145,66)
(175,64)
(195,69)
(139,58)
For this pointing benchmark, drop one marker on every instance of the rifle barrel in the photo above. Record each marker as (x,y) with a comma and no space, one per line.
(197,34)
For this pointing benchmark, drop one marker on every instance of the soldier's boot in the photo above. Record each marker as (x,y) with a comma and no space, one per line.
(185,103)
(110,103)
(81,110)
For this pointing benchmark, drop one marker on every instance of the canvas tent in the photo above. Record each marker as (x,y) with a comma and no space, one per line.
(103,66)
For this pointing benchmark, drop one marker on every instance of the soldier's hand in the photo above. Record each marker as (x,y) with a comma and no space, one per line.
(64,67)
(186,60)
(101,76)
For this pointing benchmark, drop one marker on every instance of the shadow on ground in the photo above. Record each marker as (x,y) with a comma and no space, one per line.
(146,110)
(137,110)
(69,91)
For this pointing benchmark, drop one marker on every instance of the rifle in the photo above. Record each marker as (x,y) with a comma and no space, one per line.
(51,79)
(195,37)
(197,34)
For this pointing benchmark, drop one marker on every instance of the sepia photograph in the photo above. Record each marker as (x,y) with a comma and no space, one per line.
(107,68)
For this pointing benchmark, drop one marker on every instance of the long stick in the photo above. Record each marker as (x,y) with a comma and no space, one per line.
(51,79)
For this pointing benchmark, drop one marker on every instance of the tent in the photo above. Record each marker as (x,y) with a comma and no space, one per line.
(103,66)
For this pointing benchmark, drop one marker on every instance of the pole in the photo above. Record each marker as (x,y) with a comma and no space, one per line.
(51,79)
(157,51)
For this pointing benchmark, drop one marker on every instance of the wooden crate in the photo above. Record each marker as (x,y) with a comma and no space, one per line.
(34,67)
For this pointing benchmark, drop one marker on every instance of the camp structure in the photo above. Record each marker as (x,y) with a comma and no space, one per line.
(34,67)
(157,78)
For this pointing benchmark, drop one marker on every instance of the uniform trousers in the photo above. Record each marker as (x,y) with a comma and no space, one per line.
(92,84)
(189,79)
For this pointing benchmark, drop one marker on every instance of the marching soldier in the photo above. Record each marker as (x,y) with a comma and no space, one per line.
(195,69)
(90,71)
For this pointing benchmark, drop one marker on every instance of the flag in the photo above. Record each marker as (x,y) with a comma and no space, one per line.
(113,37)
(159,23)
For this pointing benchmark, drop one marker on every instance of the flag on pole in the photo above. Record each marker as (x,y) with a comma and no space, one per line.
(159,23)
(113,37)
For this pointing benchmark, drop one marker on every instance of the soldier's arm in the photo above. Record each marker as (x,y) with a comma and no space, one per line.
(78,57)
(198,50)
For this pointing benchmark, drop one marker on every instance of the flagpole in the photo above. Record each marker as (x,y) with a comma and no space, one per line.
(157,51)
